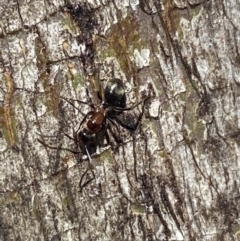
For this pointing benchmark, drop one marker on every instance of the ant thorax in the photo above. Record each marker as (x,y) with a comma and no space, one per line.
(96,120)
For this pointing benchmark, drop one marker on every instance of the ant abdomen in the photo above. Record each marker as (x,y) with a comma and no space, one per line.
(114,94)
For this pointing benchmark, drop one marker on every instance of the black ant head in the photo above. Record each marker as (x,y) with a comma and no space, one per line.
(114,94)
(85,140)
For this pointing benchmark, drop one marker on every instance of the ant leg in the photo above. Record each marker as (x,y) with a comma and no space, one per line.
(69,101)
(117,139)
(134,126)
(57,148)
(99,87)
(82,102)
(126,126)
(71,138)
(134,106)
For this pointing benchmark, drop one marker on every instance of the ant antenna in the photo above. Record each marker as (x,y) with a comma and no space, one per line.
(84,174)
(88,155)
(87,182)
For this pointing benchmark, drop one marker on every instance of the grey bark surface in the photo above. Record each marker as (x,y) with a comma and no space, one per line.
(177,176)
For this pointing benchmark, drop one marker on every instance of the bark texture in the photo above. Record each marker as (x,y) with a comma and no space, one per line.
(177,176)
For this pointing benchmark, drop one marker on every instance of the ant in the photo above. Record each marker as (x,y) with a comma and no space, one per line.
(94,125)
(93,128)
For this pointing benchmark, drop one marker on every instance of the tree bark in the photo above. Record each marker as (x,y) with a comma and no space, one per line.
(177,176)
